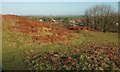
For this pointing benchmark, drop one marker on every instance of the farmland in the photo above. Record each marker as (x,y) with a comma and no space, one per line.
(29,44)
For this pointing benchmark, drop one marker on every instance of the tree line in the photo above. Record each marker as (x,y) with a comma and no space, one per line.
(102,18)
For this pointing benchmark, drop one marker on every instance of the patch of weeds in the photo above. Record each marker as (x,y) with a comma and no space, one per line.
(93,58)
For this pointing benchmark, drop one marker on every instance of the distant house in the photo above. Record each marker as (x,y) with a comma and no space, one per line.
(41,20)
(72,22)
(81,23)
(53,20)
(76,22)
(117,24)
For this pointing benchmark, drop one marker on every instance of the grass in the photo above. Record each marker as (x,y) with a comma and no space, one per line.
(0,43)
(17,49)
(14,49)
(99,38)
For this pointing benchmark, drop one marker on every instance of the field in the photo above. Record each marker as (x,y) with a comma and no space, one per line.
(0,42)
(28,44)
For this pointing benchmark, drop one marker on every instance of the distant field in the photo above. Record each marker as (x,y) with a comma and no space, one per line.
(86,50)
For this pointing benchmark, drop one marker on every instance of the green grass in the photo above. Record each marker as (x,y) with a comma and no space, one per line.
(99,38)
(16,44)
(0,48)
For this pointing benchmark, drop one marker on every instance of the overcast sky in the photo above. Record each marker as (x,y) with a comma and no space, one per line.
(50,8)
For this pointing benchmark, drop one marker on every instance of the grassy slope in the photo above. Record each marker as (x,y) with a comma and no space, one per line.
(0,42)
(99,38)
(16,44)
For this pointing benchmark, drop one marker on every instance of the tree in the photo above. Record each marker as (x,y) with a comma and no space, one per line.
(47,19)
(100,17)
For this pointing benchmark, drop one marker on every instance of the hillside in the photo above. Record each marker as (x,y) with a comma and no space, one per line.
(28,44)
(39,31)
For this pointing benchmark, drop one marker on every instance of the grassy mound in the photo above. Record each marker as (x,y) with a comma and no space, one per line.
(29,44)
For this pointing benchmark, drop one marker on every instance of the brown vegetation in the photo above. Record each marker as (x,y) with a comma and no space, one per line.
(35,28)
(81,28)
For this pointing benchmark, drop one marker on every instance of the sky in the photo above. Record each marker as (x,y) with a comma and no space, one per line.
(60,0)
(51,8)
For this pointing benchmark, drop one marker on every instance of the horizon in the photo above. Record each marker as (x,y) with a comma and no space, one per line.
(43,15)
(51,8)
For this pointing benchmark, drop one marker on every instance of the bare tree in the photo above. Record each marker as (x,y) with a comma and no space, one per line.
(100,17)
